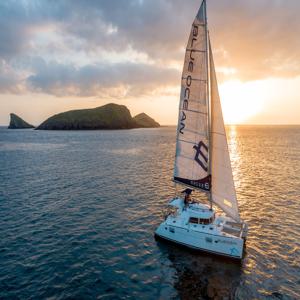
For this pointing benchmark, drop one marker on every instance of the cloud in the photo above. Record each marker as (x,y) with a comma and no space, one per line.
(152,27)
(18,20)
(251,40)
(258,38)
(10,81)
(106,80)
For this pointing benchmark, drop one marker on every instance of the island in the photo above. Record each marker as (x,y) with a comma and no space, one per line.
(144,121)
(18,123)
(109,116)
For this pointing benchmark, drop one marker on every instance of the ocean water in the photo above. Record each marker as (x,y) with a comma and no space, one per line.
(78,210)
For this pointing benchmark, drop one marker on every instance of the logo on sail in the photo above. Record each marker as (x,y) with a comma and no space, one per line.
(188,80)
(201,157)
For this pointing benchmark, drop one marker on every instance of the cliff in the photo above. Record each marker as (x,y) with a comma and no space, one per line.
(18,123)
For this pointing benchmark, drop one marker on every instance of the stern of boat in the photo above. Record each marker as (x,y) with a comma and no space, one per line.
(244,231)
(238,229)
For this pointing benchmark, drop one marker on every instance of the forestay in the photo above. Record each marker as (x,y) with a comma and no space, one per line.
(192,152)
(222,191)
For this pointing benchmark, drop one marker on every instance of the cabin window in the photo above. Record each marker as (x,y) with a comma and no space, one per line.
(201,221)
(205,221)
(194,220)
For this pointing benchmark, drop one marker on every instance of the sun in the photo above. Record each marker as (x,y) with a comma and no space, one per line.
(240,101)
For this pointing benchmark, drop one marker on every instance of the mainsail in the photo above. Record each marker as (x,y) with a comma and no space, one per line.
(191,162)
(202,159)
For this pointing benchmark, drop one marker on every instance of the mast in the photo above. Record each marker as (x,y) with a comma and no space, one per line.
(208,98)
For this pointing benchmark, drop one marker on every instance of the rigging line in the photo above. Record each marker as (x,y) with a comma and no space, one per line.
(219,133)
(188,142)
(195,111)
(208,93)
(186,157)
(195,132)
(203,102)
(196,79)
(201,51)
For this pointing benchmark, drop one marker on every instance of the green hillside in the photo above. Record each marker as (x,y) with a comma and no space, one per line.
(109,116)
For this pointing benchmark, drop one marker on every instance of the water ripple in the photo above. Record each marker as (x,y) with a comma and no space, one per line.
(78,211)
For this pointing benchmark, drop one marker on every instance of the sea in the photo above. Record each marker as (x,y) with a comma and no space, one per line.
(78,210)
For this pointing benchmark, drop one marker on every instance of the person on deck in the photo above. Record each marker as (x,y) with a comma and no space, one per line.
(187,196)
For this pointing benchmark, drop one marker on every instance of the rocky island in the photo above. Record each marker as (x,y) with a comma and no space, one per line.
(109,116)
(145,121)
(18,123)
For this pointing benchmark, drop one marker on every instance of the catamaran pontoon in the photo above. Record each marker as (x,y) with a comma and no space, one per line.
(202,159)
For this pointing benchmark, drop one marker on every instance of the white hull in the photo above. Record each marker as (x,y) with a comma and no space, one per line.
(222,236)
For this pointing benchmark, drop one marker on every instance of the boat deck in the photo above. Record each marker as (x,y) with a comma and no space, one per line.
(233,228)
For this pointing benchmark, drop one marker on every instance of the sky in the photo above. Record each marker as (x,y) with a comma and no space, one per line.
(69,54)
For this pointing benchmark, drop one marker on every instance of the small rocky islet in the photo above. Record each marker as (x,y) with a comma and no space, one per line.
(109,116)
(18,123)
(145,121)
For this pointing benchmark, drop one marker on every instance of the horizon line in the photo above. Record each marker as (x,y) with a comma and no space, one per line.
(171,125)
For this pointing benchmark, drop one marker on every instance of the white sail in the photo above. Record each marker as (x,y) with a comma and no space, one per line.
(222,191)
(191,161)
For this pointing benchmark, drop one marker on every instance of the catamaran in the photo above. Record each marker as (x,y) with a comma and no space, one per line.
(202,160)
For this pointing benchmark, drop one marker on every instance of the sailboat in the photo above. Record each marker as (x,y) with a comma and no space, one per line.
(202,160)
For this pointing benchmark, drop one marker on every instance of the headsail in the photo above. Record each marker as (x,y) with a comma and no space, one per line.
(223,191)
(192,149)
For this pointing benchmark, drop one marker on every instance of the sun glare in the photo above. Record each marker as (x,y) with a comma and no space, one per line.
(240,101)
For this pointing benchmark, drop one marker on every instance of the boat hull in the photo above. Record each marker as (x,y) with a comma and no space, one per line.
(211,243)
